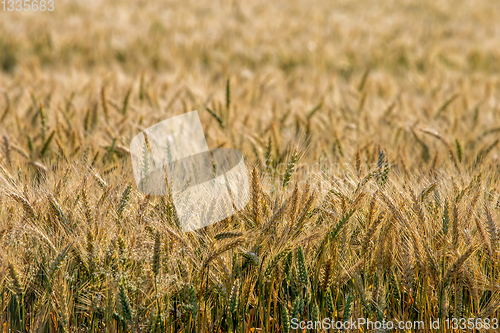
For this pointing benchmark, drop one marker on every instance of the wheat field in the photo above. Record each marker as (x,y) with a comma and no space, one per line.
(370,131)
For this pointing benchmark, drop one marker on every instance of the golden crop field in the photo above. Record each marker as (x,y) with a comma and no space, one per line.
(370,131)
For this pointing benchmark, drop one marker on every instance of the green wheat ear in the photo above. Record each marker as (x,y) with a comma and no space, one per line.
(124,201)
(236,267)
(287,264)
(383,168)
(157,255)
(228,95)
(315,312)
(285,319)
(250,258)
(16,281)
(54,266)
(268,157)
(347,307)
(289,169)
(459,150)
(193,303)
(274,262)
(125,302)
(329,301)
(298,308)
(126,100)
(233,301)
(301,265)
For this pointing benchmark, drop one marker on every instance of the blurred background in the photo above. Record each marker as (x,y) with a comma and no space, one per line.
(217,37)
(220,36)
(280,54)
